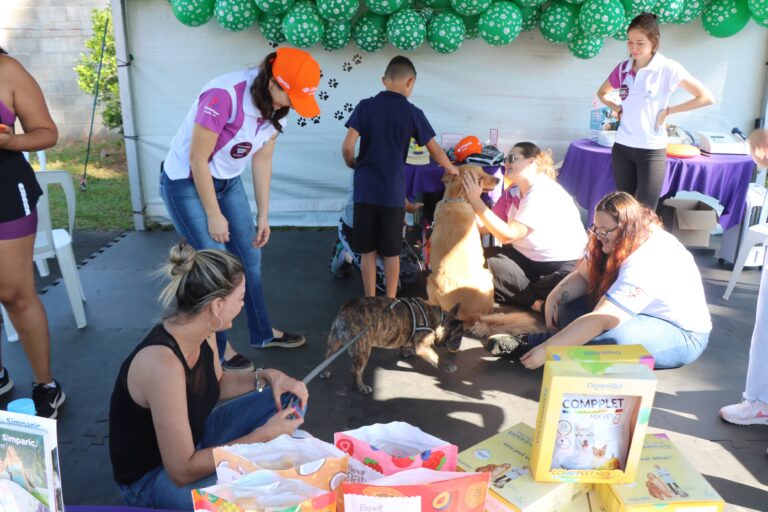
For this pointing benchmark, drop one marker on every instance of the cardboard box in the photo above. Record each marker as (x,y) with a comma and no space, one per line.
(389,448)
(690,220)
(596,357)
(591,424)
(507,457)
(665,481)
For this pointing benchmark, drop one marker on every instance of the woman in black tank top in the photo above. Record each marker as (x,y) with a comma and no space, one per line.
(21,97)
(163,422)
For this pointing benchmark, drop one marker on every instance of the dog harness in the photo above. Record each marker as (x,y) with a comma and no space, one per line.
(413,305)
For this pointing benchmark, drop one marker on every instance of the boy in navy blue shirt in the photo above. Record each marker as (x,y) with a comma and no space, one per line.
(385,124)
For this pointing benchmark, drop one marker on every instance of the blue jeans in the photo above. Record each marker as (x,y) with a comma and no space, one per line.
(670,346)
(228,421)
(188,216)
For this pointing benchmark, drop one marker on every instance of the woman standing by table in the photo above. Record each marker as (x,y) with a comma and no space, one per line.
(236,116)
(645,82)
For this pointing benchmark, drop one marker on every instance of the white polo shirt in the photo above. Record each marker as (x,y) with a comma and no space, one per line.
(661,279)
(643,96)
(224,107)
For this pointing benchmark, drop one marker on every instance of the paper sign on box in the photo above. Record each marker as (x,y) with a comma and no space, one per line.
(397,446)
(507,457)
(442,491)
(665,481)
(595,357)
(590,424)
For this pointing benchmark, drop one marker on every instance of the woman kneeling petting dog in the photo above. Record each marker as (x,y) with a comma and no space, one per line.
(637,285)
(538,224)
(162,421)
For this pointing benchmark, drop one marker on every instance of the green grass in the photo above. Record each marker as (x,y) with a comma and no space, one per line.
(106,203)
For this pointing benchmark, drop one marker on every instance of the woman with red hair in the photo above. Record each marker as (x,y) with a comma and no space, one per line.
(637,285)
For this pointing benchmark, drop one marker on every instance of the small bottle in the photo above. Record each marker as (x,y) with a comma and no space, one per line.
(22,406)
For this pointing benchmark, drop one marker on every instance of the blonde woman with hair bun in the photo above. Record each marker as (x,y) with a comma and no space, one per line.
(537,223)
(164,420)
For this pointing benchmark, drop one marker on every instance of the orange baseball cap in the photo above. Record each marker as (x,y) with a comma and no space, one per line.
(298,74)
(469,145)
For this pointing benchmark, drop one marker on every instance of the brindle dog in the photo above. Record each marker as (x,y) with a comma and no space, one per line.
(392,326)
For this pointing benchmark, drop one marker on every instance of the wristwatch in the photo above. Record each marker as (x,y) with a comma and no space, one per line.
(260,383)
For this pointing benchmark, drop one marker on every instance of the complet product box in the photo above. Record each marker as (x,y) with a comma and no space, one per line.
(591,422)
(597,357)
(507,457)
(690,220)
(665,481)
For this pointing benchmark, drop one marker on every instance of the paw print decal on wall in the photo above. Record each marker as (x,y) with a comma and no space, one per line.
(357,58)
(323,95)
(332,83)
(301,121)
(316,120)
(339,115)
(348,107)
(346,67)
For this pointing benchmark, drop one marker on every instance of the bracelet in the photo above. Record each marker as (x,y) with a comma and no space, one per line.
(260,385)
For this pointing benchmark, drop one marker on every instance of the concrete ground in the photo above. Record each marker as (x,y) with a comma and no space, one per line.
(484,396)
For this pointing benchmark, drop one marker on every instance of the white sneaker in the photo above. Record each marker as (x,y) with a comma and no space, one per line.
(748,412)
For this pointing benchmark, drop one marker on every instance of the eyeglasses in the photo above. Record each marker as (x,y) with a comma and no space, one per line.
(602,234)
(514,158)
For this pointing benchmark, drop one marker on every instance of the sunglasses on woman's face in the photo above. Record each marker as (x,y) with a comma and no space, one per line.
(512,158)
(602,234)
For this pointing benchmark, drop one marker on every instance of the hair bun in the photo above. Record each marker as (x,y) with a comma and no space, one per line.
(181,258)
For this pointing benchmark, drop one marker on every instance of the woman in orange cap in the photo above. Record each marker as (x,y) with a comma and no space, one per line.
(237,115)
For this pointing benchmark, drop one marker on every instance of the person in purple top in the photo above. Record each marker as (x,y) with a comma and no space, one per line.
(385,125)
(237,115)
(20,96)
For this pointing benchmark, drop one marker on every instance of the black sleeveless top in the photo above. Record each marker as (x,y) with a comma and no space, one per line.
(19,190)
(132,441)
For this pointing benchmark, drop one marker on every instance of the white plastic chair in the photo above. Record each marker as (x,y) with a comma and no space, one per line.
(754,235)
(50,243)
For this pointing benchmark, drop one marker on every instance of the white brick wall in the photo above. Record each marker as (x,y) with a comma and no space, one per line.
(47,37)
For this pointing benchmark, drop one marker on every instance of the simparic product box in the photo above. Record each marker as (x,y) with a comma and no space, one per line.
(591,422)
(507,457)
(665,481)
(596,357)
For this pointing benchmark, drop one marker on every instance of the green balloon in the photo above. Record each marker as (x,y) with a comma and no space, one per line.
(559,22)
(470,7)
(274,6)
(426,13)
(601,18)
(501,23)
(193,13)
(531,16)
(575,2)
(385,6)
(470,23)
(621,34)
(370,32)
(337,34)
(271,26)
(763,22)
(236,15)
(585,46)
(302,25)
(337,10)
(531,3)
(691,10)
(445,33)
(723,18)
(635,7)
(437,4)
(406,30)
(668,11)
(758,8)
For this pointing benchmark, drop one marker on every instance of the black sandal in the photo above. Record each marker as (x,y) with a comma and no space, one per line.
(287,340)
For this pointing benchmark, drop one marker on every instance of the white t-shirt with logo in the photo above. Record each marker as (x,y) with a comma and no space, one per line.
(224,107)
(661,279)
(643,96)
(556,232)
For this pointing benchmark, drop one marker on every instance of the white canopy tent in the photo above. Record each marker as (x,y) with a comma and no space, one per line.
(528,90)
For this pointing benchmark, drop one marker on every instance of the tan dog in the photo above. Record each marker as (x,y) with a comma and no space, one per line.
(456,251)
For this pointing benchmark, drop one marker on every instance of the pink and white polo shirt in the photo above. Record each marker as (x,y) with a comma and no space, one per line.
(643,95)
(224,107)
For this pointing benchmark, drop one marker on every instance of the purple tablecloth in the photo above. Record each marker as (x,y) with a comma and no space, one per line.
(428,178)
(587,174)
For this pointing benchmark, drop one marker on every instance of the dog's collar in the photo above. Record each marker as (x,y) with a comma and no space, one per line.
(453,200)
(413,305)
